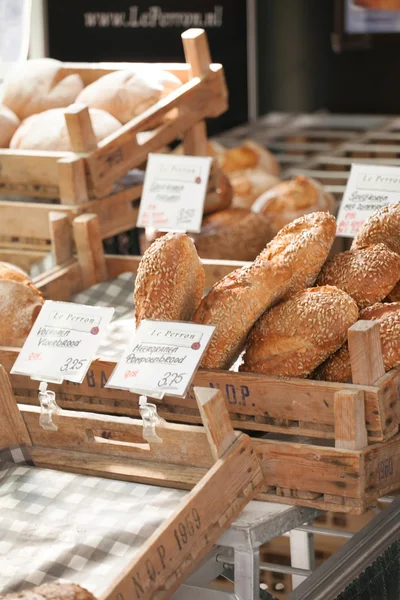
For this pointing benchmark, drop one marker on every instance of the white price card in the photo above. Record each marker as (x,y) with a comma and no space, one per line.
(369,188)
(174,192)
(63,341)
(161,358)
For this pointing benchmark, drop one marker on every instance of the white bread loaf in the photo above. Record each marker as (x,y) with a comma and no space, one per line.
(9,124)
(48,130)
(37,85)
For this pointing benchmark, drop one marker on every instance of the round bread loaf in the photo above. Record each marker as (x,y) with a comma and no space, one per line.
(291,199)
(9,271)
(51,591)
(249,184)
(249,156)
(170,280)
(36,85)
(338,366)
(381,227)
(221,197)
(293,338)
(9,124)
(232,234)
(48,130)
(126,94)
(367,274)
(20,304)
(290,262)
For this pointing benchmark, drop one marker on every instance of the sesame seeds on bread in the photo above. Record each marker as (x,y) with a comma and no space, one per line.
(290,262)
(293,338)
(170,280)
(367,274)
(381,227)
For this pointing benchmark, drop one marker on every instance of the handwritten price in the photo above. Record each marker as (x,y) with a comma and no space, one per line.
(170,378)
(72,364)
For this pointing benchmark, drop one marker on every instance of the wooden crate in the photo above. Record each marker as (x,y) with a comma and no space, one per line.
(91,169)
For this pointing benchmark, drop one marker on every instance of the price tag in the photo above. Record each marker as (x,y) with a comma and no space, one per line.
(161,358)
(174,192)
(369,188)
(63,341)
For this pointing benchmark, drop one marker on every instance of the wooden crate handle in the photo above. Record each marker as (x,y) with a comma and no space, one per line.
(72,180)
(176,547)
(89,247)
(13,431)
(61,236)
(80,129)
(365,352)
(349,412)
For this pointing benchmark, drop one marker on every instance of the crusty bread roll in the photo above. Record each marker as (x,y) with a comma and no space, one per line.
(381,227)
(126,94)
(221,197)
(289,263)
(367,274)
(9,124)
(51,591)
(338,367)
(170,280)
(291,199)
(232,234)
(36,85)
(249,156)
(293,338)
(248,185)
(48,130)
(20,303)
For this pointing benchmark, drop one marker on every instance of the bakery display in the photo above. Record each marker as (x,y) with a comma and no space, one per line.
(249,184)
(9,124)
(293,338)
(289,200)
(232,234)
(170,280)
(37,85)
(338,367)
(48,130)
(289,263)
(51,591)
(20,303)
(126,94)
(381,227)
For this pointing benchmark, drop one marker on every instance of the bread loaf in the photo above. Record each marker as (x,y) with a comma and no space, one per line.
(232,234)
(249,156)
(36,85)
(291,199)
(9,124)
(221,197)
(248,185)
(48,130)
(367,274)
(338,366)
(51,591)
(293,338)
(290,262)
(126,94)
(170,280)
(20,304)
(381,227)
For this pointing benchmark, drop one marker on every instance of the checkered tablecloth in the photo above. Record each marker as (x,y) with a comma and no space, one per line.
(62,526)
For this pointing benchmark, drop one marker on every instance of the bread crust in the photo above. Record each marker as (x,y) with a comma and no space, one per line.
(232,234)
(51,591)
(249,155)
(249,184)
(290,200)
(338,367)
(170,280)
(367,274)
(20,303)
(290,262)
(381,227)
(293,338)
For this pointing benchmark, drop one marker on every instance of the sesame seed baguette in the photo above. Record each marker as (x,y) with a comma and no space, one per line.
(338,367)
(170,280)
(367,274)
(293,338)
(381,227)
(51,591)
(290,262)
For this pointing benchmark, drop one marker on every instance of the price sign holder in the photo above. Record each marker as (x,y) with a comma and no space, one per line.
(368,188)
(161,358)
(61,346)
(174,191)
